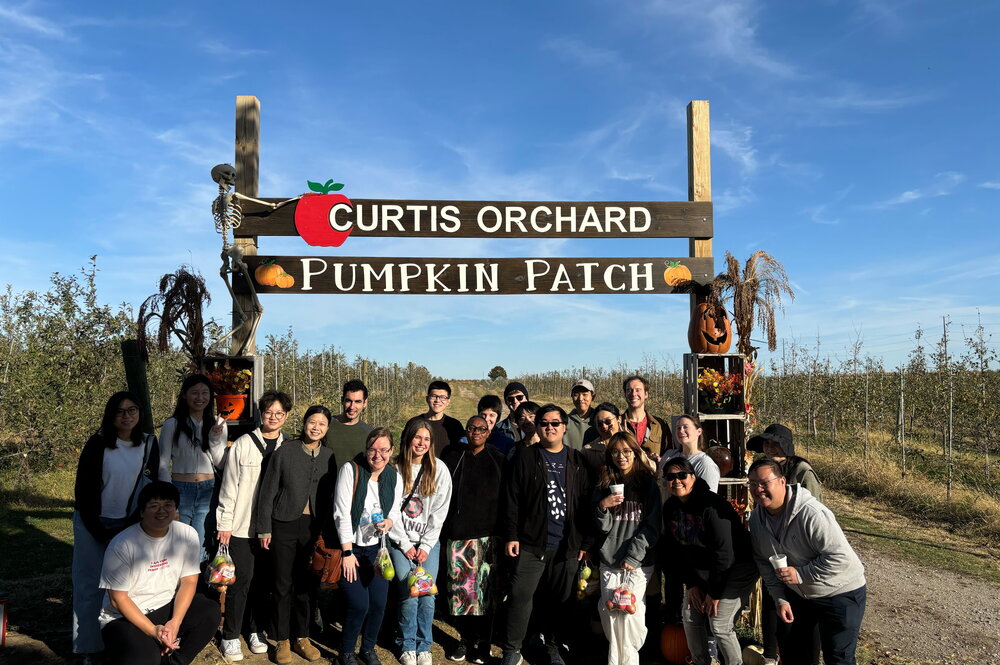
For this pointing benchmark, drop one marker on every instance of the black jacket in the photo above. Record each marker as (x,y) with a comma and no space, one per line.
(475,494)
(703,539)
(524,507)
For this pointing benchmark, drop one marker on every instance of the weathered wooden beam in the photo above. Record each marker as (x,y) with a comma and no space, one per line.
(247,174)
(496,219)
(476,276)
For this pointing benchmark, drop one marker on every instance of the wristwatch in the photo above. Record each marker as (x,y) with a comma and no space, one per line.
(347,553)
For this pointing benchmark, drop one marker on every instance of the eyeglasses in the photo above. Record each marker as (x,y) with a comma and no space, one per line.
(755,484)
(156,507)
(438,398)
(622,453)
(275,415)
(550,423)
(477,428)
(130,411)
(381,452)
(680,475)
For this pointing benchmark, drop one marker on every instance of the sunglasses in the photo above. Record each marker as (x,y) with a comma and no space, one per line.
(550,423)
(680,475)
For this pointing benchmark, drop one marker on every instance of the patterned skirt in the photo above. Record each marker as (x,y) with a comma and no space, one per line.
(470,576)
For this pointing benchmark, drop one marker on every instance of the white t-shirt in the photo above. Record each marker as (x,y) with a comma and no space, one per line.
(122,466)
(148,568)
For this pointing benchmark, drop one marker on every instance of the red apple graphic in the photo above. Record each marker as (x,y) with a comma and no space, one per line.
(314,219)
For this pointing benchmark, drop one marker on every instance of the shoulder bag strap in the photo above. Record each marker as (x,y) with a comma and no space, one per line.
(132,499)
(413,488)
(257,442)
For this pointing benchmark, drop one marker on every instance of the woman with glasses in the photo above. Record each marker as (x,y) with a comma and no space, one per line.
(366,506)
(192,447)
(470,549)
(291,509)
(705,543)
(689,444)
(249,458)
(627,514)
(426,488)
(115,464)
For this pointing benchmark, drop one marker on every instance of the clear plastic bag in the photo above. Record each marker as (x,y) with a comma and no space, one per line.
(622,598)
(221,571)
(421,583)
(383,563)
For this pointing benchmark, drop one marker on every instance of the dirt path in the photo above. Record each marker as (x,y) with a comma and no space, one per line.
(919,613)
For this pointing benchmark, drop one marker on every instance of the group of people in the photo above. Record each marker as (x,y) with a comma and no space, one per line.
(506,514)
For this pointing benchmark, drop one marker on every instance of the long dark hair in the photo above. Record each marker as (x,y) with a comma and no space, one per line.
(638,475)
(108,432)
(182,413)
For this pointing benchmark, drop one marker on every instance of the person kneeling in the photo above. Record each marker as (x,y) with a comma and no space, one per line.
(152,613)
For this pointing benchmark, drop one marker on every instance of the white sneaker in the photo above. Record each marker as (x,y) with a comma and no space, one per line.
(408,658)
(424,658)
(231,650)
(257,643)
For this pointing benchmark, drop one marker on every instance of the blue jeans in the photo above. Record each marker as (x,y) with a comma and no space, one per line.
(416,615)
(88,598)
(365,601)
(196,499)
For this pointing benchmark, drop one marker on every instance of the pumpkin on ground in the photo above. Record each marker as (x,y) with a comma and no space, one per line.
(676,273)
(674,644)
(707,334)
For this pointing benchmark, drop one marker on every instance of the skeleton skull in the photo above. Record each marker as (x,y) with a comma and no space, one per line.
(224,174)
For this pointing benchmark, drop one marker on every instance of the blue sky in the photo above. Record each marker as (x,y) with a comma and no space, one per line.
(853,140)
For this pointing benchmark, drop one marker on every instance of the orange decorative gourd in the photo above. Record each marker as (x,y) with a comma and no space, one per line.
(230,407)
(674,644)
(706,334)
(284,280)
(267,273)
(676,273)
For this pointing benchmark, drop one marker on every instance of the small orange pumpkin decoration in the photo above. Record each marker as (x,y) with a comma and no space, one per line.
(267,273)
(284,280)
(706,334)
(230,407)
(676,273)
(674,644)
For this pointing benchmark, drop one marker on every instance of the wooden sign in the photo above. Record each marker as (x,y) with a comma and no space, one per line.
(319,215)
(329,274)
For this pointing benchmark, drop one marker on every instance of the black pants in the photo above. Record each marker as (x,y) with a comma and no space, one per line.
(839,620)
(248,600)
(545,580)
(291,547)
(125,644)
(769,629)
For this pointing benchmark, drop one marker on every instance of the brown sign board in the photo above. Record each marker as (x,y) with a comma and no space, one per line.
(412,276)
(478,219)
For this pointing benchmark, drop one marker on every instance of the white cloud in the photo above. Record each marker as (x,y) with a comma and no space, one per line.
(30,22)
(217,48)
(582,53)
(728,29)
(990,185)
(942,184)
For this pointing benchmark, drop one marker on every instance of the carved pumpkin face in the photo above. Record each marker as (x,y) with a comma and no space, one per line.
(706,334)
(230,407)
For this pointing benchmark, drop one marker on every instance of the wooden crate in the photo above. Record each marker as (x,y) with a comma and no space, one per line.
(731,433)
(727,363)
(250,418)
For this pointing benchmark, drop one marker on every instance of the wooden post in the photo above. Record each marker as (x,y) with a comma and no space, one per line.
(699,173)
(136,380)
(247,170)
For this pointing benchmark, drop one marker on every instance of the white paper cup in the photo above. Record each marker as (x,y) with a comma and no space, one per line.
(617,489)
(779,561)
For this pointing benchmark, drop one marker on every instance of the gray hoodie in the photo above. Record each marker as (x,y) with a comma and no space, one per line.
(631,528)
(814,544)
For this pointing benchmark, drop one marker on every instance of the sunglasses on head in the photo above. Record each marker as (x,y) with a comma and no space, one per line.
(680,475)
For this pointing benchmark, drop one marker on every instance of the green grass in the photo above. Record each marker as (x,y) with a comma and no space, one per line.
(925,550)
